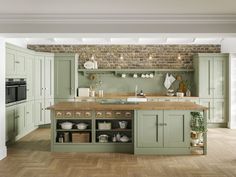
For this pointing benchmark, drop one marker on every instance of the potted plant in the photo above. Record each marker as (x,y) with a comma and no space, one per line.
(197,125)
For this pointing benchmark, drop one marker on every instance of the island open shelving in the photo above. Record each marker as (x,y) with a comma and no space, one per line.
(152,127)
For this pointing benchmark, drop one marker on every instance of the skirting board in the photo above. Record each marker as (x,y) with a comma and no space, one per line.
(3,152)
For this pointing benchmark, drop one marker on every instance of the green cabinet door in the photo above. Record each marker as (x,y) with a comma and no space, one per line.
(149,126)
(220,76)
(10,62)
(47,115)
(64,76)
(38,77)
(210,105)
(176,128)
(219,111)
(29,118)
(10,124)
(206,77)
(39,112)
(48,77)
(20,68)
(29,62)
(20,119)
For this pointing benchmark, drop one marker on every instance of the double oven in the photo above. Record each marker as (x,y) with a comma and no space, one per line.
(15,90)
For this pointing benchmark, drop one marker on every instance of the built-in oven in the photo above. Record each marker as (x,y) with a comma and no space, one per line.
(15,90)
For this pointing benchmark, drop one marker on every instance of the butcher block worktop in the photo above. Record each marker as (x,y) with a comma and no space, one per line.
(72,106)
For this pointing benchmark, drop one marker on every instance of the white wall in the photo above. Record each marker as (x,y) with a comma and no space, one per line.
(21,42)
(228,45)
(3,150)
(232,91)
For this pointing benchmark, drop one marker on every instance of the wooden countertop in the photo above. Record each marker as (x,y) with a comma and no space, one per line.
(73,106)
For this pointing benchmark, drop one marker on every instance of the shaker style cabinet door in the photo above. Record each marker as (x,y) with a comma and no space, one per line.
(149,126)
(10,124)
(48,77)
(219,111)
(209,103)
(29,118)
(29,62)
(10,62)
(64,76)
(219,77)
(39,79)
(206,85)
(47,117)
(20,64)
(39,112)
(20,119)
(176,128)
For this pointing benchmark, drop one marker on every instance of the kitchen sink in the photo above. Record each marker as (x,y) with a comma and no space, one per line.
(117,102)
(136,99)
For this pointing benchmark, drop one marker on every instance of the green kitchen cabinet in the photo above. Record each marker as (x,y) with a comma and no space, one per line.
(176,128)
(39,112)
(20,68)
(48,77)
(210,105)
(162,132)
(20,119)
(210,75)
(216,110)
(29,118)
(29,62)
(149,129)
(10,124)
(47,116)
(64,76)
(39,77)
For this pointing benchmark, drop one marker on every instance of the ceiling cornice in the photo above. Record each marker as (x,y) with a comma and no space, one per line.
(117,19)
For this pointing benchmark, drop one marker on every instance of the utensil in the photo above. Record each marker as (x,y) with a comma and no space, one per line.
(82,126)
(123,124)
(103,138)
(66,125)
(89,65)
(124,139)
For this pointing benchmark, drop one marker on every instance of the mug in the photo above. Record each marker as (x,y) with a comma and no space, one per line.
(123,75)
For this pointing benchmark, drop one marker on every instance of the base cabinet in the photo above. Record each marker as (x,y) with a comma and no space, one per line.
(216,112)
(19,121)
(162,132)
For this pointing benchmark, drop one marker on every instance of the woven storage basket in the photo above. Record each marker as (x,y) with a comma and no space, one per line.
(80,137)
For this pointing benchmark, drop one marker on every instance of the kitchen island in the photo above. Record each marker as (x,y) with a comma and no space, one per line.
(151,127)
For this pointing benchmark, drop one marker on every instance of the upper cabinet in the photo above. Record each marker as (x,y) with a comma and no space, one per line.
(210,76)
(29,62)
(64,76)
(15,62)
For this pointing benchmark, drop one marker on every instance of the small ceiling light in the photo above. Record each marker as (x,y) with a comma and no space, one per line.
(150,57)
(179,56)
(121,57)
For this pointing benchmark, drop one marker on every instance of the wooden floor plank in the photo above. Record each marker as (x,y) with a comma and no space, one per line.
(31,157)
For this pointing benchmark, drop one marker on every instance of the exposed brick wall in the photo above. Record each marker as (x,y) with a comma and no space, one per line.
(135,56)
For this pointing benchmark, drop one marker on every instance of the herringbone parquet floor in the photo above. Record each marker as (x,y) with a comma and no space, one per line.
(31,157)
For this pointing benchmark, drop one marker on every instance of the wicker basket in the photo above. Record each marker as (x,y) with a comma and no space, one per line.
(104,125)
(80,137)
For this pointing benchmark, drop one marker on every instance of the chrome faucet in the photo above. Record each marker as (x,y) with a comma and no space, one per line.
(136,91)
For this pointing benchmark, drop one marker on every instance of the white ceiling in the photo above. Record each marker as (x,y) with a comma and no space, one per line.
(122,40)
(119,6)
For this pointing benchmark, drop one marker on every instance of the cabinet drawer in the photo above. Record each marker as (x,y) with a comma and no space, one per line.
(99,114)
(64,114)
(59,114)
(128,114)
(68,114)
(79,114)
(109,114)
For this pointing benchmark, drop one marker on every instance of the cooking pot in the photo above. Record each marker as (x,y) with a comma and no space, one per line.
(82,126)
(66,125)
(123,124)
(103,138)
